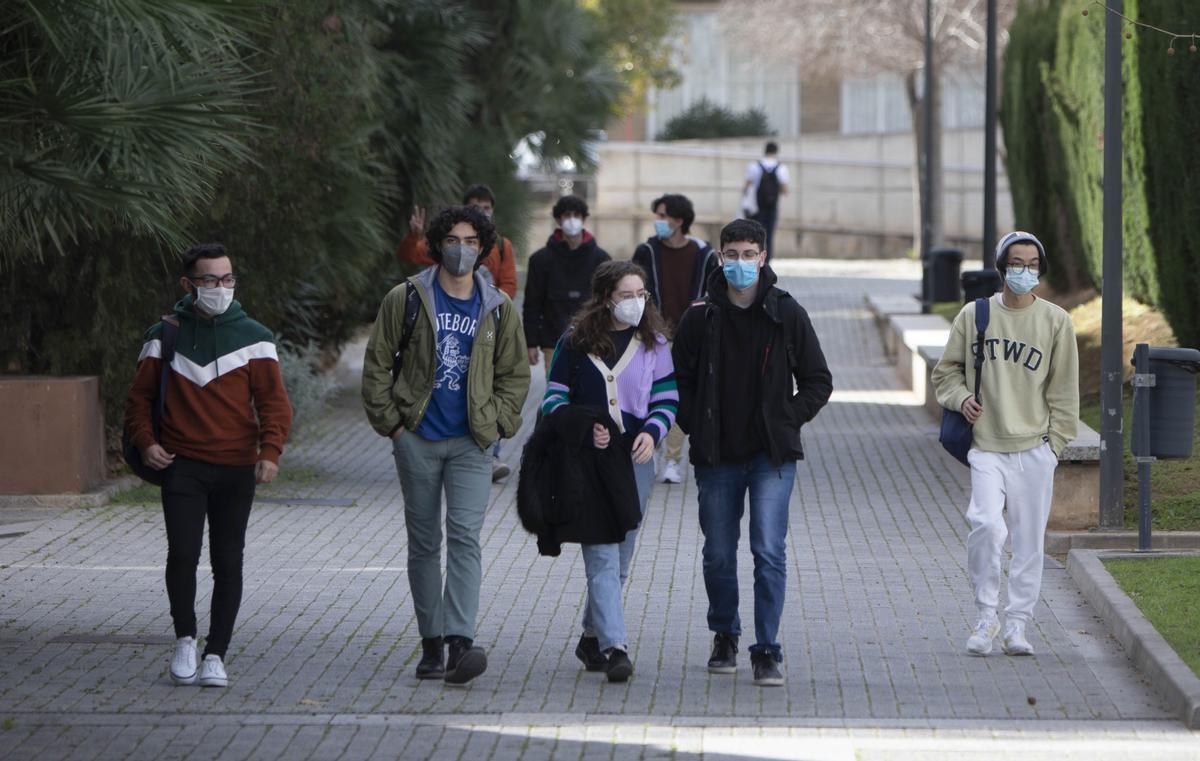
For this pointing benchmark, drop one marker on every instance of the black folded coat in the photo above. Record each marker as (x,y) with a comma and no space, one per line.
(571,492)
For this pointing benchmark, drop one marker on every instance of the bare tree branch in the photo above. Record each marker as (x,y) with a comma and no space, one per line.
(863,37)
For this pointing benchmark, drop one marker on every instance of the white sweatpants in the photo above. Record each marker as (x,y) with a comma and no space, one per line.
(1024,482)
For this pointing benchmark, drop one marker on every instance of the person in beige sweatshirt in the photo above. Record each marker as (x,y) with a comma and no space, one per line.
(1027,412)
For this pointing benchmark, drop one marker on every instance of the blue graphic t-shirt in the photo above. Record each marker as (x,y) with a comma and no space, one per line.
(457,320)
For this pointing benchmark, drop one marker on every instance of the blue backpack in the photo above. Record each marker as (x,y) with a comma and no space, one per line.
(956,432)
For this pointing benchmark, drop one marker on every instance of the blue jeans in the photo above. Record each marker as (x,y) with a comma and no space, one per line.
(607,567)
(722,503)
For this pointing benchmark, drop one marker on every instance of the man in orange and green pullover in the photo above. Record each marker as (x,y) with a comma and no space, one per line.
(225,418)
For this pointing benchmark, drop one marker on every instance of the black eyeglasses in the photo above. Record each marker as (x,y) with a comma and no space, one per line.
(1021,269)
(212,281)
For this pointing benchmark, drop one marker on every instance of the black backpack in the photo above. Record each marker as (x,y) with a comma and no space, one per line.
(412,310)
(132,455)
(767,194)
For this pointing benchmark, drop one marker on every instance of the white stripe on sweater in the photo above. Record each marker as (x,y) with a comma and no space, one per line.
(202,375)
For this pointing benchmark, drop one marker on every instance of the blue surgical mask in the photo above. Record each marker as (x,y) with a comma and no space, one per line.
(739,274)
(662,228)
(1020,282)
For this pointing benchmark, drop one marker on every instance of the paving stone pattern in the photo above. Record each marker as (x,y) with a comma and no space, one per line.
(322,660)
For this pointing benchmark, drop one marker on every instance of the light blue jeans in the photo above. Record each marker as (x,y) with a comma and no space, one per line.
(607,567)
(463,471)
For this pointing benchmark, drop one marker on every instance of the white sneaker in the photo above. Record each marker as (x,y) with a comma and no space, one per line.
(212,672)
(499,470)
(986,629)
(183,661)
(671,474)
(1014,642)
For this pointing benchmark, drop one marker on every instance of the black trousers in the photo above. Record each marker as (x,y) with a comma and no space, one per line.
(767,218)
(194,491)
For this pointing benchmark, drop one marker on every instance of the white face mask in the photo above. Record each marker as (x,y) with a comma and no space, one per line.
(214,301)
(629,311)
(572,227)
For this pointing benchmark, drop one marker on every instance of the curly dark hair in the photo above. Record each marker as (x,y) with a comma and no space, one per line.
(569,203)
(593,322)
(744,230)
(450,216)
(677,206)
(198,252)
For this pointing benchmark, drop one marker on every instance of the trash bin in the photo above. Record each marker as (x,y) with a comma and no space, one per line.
(1172,401)
(944,264)
(979,284)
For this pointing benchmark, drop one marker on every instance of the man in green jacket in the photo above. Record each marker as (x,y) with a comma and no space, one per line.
(461,380)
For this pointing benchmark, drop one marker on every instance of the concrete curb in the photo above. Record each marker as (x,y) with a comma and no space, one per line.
(98,497)
(1062,542)
(1150,653)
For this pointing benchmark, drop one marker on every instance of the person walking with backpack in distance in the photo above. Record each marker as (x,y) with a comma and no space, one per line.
(499,265)
(1028,411)
(767,181)
(738,355)
(615,360)
(678,266)
(444,376)
(224,420)
(559,278)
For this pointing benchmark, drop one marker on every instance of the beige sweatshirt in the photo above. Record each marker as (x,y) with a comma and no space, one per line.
(1030,387)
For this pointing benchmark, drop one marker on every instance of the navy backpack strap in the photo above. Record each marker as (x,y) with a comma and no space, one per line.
(983,314)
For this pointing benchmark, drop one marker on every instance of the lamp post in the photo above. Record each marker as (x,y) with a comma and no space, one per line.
(1112,476)
(989,144)
(926,164)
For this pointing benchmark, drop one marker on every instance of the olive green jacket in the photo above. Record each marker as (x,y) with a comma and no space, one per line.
(497,380)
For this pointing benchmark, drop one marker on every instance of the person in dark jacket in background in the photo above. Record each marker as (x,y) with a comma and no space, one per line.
(616,361)
(737,355)
(559,278)
(678,266)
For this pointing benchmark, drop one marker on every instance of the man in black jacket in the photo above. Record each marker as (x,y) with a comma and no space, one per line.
(559,279)
(737,355)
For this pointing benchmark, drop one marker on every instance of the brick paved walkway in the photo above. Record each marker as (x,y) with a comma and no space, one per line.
(321,663)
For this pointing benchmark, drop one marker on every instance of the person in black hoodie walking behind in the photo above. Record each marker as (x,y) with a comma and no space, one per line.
(559,279)
(679,266)
(737,354)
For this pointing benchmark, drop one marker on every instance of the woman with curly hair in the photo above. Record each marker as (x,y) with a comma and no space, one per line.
(616,360)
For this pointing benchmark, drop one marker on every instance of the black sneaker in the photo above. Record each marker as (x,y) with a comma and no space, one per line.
(588,651)
(766,669)
(465,662)
(431,665)
(619,668)
(724,655)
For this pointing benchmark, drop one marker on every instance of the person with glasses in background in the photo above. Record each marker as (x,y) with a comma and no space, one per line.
(225,418)
(1028,412)
(751,374)
(461,376)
